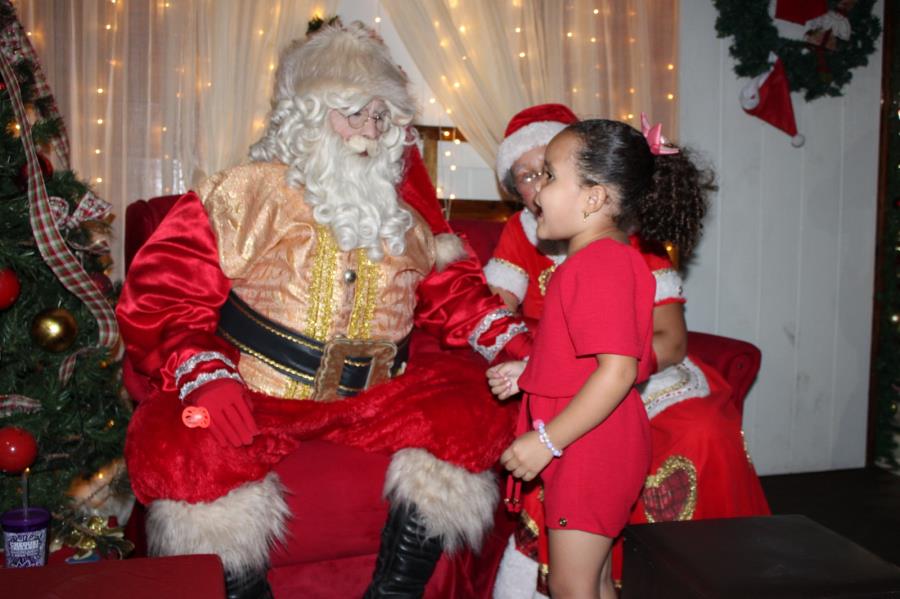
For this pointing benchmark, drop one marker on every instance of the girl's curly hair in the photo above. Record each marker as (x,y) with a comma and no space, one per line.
(664,198)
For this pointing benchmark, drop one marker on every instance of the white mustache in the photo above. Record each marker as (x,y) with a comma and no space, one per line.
(359,144)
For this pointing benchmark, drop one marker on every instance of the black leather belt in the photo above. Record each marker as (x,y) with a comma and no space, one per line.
(298,356)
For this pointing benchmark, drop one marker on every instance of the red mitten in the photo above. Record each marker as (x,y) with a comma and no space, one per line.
(230,420)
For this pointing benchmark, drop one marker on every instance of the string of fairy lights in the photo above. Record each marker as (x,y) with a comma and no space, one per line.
(107,81)
(454,41)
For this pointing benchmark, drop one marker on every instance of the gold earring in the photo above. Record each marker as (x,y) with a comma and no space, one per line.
(585,215)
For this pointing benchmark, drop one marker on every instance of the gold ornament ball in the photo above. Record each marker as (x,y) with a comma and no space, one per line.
(54,329)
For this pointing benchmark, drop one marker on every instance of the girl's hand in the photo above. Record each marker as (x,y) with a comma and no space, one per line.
(526,457)
(504,378)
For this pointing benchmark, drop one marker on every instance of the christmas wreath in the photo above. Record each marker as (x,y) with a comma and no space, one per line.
(836,36)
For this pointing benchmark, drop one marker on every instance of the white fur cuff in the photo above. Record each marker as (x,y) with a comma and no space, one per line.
(455,504)
(239,527)
(448,248)
(506,275)
(518,575)
(668,284)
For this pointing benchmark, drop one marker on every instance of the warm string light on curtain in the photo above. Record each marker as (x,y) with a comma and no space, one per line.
(611,59)
(185,86)
(447,135)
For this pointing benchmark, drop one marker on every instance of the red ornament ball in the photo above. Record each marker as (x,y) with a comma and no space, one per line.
(101,282)
(46,171)
(9,288)
(17,449)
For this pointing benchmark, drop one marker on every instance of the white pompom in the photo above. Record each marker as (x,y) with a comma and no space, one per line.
(798,140)
(749,96)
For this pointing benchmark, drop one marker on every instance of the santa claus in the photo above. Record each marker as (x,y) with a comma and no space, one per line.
(274,304)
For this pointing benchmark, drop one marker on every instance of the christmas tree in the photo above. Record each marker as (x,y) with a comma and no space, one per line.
(887,342)
(59,371)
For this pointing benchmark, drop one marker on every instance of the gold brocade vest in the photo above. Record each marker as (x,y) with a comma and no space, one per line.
(289,269)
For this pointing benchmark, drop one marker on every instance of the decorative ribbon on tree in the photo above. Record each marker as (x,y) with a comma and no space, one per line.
(50,243)
(14,44)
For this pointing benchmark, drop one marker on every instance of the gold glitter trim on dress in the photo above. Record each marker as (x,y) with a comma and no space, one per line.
(298,390)
(511,265)
(671,494)
(544,279)
(746,449)
(364,301)
(530,524)
(321,288)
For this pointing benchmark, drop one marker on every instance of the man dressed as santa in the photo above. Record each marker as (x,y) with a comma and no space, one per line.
(274,305)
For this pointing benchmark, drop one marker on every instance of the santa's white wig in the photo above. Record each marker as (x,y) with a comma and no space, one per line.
(343,69)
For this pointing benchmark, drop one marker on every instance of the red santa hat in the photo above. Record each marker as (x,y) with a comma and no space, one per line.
(800,11)
(768,97)
(530,128)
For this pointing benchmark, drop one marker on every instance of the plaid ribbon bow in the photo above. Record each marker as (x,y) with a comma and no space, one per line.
(50,242)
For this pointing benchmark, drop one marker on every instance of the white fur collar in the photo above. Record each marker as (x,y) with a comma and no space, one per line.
(555,250)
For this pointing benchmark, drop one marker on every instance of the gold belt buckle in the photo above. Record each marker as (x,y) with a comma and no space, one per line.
(340,351)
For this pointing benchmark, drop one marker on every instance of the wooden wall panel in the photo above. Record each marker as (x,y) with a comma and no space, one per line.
(787,260)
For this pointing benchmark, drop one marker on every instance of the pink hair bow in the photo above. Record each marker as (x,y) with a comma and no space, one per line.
(658,144)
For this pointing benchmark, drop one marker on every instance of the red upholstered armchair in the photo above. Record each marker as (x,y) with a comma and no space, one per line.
(334,535)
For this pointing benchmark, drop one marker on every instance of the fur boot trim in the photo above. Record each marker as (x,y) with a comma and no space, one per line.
(239,527)
(455,504)
(517,576)
(448,248)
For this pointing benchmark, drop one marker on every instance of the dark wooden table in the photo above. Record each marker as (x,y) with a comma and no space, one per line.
(760,557)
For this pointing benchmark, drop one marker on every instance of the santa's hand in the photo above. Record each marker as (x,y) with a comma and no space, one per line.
(504,378)
(526,457)
(230,420)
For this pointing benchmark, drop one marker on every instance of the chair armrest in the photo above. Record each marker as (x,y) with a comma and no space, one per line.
(737,361)
(141,219)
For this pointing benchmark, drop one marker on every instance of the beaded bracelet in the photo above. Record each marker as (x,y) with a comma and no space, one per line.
(542,435)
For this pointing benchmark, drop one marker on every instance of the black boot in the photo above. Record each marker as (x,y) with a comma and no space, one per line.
(252,585)
(406,559)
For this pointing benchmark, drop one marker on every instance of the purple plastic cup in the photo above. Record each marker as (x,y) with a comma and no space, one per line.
(25,532)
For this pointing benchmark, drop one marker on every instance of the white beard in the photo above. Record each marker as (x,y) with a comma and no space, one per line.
(354,194)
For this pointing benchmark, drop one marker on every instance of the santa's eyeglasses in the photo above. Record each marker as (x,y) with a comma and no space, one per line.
(358,120)
(528,177)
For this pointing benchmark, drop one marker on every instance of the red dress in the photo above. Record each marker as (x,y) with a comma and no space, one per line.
(600,301)
(699,465)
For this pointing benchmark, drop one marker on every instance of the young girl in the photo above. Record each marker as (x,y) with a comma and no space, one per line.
(590,441)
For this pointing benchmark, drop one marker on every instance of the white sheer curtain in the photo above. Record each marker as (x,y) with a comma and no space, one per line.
(158,93)
(486,60)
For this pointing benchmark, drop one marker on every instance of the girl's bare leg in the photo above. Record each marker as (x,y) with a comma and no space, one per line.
(578,562)
(607,588)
